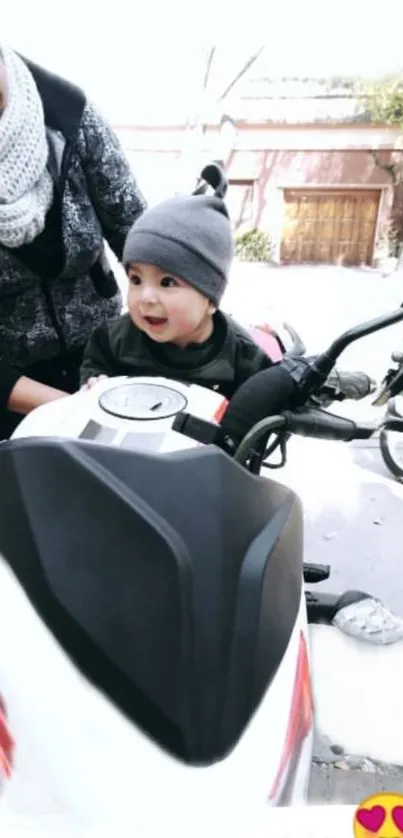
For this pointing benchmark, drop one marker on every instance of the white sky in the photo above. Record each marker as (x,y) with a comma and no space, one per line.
(126,61)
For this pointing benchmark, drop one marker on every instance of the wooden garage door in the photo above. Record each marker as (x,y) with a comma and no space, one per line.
(330,227)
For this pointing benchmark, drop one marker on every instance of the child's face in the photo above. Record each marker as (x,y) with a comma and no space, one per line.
(166,308)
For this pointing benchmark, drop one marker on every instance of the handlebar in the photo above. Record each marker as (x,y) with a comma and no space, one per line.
(363,330)
(393,423)
(318,370)
(320,424)
(304,421)
(311,422)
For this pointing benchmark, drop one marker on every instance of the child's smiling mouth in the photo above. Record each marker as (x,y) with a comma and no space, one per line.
(156,322)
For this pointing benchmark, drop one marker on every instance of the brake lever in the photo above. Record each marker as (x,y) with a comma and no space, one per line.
(382,398)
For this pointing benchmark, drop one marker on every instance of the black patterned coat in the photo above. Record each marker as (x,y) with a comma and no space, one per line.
(42,317)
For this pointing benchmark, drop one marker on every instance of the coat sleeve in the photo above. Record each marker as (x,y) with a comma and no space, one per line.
(112,187)
(250,361)
(249,358)
(98,356)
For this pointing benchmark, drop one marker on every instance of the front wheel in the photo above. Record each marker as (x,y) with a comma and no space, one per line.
(391,443)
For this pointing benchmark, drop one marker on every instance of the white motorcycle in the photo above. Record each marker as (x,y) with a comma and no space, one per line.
(157,666)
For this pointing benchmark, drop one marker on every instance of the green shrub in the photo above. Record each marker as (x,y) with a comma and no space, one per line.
(253,246)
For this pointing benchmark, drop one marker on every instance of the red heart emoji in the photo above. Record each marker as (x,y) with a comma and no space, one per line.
(372,819)
(397,817)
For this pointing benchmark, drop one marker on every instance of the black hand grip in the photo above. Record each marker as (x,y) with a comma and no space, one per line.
(320,424)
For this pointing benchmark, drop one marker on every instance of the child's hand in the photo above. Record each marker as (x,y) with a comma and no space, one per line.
(91,382)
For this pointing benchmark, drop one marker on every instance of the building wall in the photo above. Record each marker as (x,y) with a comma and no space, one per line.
(273,171)
(264,161)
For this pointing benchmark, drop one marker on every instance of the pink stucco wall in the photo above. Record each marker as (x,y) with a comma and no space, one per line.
(274,170)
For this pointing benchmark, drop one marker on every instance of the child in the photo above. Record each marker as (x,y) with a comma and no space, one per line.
(177,257)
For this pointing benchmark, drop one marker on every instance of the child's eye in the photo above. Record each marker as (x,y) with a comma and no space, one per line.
(134,279)
(168,282)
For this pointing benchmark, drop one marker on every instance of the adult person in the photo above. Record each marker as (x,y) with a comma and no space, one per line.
(65,187)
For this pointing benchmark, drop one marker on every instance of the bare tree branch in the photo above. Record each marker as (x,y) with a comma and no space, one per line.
(197,124)
(241,73)
(208,68)
(193,122)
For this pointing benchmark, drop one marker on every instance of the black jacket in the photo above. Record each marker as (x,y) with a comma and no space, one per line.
(44,315)
(222,363)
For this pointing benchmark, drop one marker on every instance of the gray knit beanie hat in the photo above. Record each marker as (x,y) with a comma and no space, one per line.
(188,237)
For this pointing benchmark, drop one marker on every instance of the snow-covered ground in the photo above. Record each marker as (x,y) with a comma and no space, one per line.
(321,302)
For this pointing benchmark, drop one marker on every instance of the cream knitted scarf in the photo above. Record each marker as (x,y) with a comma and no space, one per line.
(26,187)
